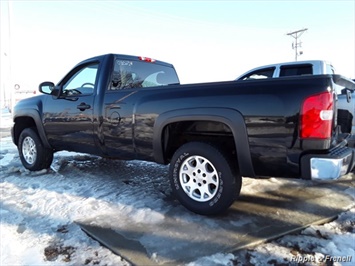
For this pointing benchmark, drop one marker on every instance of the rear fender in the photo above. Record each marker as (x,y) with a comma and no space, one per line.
(230,117)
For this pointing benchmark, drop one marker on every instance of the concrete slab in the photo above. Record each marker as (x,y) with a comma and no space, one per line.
(132,250)
(257,216)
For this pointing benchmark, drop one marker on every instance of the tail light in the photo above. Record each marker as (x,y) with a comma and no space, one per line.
(317,116)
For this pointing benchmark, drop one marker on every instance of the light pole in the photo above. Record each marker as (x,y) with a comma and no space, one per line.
(296,35)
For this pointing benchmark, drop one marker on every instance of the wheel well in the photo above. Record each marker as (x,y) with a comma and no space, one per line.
(20,124)
(215,133)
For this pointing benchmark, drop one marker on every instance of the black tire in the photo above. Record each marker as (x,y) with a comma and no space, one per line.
(34,156)
(202,179)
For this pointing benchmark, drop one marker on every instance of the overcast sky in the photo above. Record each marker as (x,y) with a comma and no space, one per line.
(205,40)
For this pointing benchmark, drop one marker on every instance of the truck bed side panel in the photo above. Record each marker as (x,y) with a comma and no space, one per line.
(270,110)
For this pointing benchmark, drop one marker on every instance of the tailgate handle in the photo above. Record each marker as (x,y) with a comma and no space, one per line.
(83,106)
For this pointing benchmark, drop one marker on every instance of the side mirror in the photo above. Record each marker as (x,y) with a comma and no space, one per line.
(46,87)
(49,88)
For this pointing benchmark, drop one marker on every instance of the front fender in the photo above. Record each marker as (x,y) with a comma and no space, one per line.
(36,117)
(230,117)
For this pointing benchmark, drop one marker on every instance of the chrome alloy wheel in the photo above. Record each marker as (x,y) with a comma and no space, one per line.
(29,150)
(199,178)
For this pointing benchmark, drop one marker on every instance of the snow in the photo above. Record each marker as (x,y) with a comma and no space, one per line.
(38,211)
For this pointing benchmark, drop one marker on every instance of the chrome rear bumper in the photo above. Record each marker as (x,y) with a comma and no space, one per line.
(332,165)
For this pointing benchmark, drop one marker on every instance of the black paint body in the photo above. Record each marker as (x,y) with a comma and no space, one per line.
(259,118)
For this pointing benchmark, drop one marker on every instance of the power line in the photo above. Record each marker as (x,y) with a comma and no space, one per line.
(296,35)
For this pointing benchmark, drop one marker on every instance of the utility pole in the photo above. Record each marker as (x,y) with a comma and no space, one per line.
(296,35)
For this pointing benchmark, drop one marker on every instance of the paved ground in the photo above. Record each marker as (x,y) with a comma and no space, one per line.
(253,219)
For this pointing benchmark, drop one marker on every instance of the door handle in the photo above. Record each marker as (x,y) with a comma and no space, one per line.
(83,106)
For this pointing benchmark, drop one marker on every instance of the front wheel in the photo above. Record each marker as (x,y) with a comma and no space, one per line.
(34,156)
(203,179)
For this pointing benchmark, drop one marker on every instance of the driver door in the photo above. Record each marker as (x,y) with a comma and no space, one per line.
(68,119)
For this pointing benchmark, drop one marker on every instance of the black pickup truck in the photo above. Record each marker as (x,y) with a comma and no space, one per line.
(212,134)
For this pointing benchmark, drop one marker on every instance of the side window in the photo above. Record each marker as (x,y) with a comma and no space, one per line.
(260,74)
(296,70)
(82,81)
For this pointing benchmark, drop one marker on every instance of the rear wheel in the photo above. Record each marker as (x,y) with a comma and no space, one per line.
(34,156)
(203,179)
